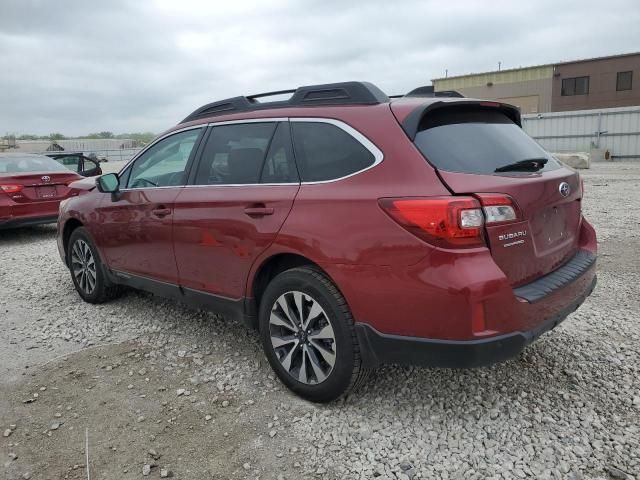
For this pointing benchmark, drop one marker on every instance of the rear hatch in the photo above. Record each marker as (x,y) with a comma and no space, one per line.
(30,179)
(467,143)
(38,186)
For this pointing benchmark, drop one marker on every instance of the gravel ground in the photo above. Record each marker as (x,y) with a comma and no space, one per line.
(158,386)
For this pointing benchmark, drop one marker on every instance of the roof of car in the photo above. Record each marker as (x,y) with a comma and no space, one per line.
(330,96)
(19,155)
(343,93)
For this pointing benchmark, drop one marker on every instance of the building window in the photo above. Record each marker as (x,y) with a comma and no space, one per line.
(623,82)
(575,86)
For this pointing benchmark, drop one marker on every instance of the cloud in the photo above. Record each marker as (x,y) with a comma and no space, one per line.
(78,66)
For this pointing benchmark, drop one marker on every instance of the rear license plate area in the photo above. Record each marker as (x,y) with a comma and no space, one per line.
(555,224)
(46,192)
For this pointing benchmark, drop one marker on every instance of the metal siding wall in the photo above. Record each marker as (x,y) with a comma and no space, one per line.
(577,131)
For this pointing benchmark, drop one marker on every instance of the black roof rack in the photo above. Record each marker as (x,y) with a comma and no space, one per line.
(428,91)
(344,93)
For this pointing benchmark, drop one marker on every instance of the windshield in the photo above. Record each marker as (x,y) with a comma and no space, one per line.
(10,165)
(476,140)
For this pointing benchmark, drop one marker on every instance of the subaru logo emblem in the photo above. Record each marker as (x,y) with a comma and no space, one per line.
(46,179)
(565,189)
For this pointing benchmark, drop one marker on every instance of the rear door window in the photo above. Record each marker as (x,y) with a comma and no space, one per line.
(476,140)
(235,154)
(326,152)
(279,166)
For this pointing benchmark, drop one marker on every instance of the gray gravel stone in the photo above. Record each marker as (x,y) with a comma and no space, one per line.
(568,405)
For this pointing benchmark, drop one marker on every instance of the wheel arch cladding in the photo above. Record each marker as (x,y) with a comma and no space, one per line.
(269,269)
(69,227)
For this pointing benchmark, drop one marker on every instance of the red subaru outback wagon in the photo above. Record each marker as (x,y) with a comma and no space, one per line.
(350,229)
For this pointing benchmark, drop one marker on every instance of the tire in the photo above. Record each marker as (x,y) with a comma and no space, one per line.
(321,362)
(87,270)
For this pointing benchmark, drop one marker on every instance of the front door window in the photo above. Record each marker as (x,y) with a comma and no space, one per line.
(165,163)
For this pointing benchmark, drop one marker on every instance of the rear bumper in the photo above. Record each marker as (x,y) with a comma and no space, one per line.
(379,348)
(27,221)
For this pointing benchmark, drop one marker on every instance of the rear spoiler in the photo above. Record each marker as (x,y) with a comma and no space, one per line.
(429,91)
(412,122)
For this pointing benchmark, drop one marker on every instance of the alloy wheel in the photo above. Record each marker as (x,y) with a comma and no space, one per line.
(83,266)
(302,337)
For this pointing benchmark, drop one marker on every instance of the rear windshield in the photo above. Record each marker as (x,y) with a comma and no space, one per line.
(17,164)
(476,140)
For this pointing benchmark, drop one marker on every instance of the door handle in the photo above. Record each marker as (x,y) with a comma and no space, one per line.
(258,211)
(161,212)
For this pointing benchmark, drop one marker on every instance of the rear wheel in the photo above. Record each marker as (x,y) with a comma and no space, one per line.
(87,271)
(308,335)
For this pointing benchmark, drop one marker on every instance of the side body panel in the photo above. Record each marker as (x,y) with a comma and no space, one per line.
(134,233)
(217,238)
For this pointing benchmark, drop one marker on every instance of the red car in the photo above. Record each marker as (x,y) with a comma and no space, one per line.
(31,188)
(350,229)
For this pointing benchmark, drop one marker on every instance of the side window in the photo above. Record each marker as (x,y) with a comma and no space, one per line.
(279,166)
(234,154)
(326,152)
(72,162)
(164,164)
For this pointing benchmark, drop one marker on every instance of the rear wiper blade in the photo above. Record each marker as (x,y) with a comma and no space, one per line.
(528,165)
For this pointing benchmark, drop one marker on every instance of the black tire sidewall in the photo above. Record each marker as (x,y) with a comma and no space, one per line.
(341,377)
(99,292)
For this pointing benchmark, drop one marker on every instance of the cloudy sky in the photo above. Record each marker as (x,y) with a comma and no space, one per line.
(81,66)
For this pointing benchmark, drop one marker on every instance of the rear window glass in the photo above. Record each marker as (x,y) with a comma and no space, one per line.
(326,152)
(27,164)
(476,141)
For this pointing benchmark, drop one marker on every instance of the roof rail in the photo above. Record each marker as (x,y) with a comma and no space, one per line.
(428,91)
(344,93)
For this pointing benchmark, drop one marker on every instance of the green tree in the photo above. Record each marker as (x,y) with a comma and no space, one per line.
(56,136)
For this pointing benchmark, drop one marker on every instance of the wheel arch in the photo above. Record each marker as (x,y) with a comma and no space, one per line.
(69,227)
(267,271)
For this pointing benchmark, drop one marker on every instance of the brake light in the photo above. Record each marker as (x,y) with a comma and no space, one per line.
(449,222)
(11,188)
(498,208)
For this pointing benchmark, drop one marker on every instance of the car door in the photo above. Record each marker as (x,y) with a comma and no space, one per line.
(89,167)
(135,226)
(72,161)
(238,198)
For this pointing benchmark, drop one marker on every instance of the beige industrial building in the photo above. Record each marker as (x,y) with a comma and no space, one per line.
(603,82)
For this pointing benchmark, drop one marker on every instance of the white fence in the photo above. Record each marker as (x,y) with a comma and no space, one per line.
(614,129)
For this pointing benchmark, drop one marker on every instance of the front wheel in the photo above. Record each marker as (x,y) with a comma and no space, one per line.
(87,271)
(308,335)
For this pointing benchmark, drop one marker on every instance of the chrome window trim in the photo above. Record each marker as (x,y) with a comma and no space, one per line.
(248,120)
(243,185)
(141,189)
(359,137)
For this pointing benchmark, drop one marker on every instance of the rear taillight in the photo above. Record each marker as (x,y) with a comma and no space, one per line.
(498,208)
(11,188)
(448,222)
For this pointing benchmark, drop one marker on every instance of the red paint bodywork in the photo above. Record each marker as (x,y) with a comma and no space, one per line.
(391,280)
(38,201)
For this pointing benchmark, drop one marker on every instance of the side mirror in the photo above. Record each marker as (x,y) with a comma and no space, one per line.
(109,183)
